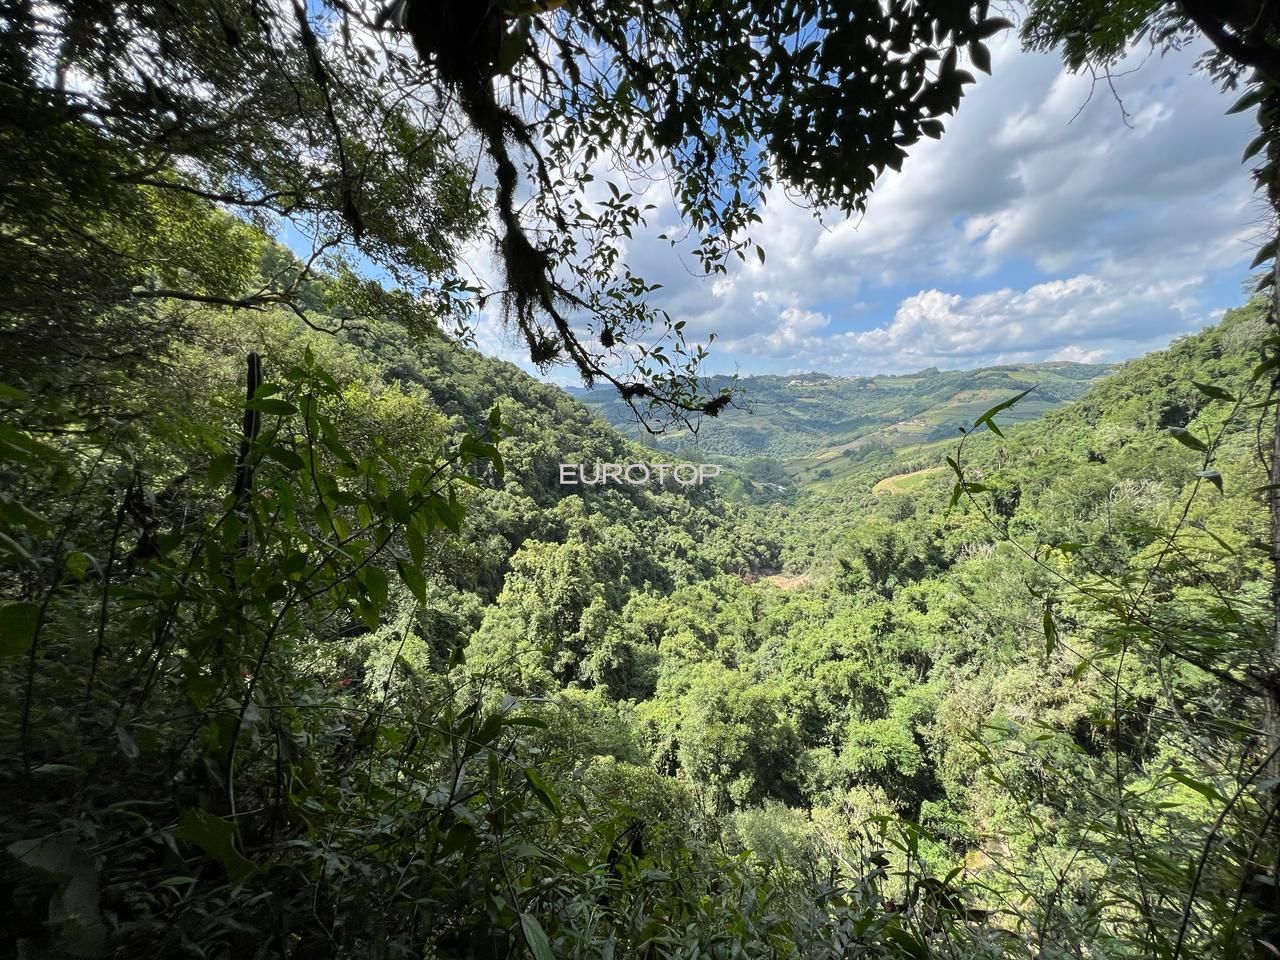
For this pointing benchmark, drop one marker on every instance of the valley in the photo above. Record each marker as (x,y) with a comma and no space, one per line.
(817,429)
(326,634)
(855,657)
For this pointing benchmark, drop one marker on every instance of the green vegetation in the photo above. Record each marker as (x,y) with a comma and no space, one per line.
(818,416)
(305,652)
(905,482)
(573,707)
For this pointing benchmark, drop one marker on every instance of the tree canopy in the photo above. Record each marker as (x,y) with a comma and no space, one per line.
(324,115)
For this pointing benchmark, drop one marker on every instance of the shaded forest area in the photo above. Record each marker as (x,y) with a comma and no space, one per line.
(305,652)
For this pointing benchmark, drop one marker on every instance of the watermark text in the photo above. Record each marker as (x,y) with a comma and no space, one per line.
(636,474)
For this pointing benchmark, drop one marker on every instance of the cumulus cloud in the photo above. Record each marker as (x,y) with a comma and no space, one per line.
(1077,354)
(1048,222)
(1058,319)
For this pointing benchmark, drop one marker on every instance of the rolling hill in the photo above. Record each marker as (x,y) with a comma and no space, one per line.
(823,426)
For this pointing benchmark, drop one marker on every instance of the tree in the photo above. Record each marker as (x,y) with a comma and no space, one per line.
(724,100)
(1246,38)
(124,123)
(320,113)
(1097,33)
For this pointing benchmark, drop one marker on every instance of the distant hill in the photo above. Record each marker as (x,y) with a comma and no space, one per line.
(814,418)
(1113,442)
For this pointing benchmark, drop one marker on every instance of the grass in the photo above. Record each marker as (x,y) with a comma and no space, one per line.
(906,482)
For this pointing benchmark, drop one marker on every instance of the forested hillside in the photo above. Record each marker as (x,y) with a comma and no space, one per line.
(801,416)
(308,651)
(557,676)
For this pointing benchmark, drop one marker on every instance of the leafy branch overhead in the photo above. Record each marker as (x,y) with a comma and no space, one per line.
(394,135)
(725,101)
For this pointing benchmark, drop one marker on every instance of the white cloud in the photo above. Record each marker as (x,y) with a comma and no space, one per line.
(1051,320)
(1076,354)
(1041,225)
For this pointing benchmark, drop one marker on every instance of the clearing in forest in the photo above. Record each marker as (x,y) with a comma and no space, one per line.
(904,482)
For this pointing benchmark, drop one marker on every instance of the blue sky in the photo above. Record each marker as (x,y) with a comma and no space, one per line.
(1041,226)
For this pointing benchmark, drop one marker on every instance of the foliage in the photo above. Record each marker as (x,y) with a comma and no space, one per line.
(322,113)
(810,420)
(379,685)
(308,652)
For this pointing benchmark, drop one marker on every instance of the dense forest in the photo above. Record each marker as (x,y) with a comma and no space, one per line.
(307,651)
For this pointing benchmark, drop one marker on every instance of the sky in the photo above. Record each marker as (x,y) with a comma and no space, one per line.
(1044,225)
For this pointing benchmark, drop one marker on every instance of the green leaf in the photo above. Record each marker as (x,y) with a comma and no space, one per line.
(1003,405)
(1205,790)
(487,732)
(285,457)
(220,469)
(460,835)
(444,512)
(216,837)
(1214,391)
(990,27)
(1266,252)
(1213,476)
(293,562)
(536,722)
(19,516)
(369,614)
(1255,145)
(17,628)
(413,579)
(542,790)
(1050,632)
(535,937)
(77,564)
(980,56)
(20,448)
(375,581)
(272,406)
(398,506)
(1251,99)
(1188,439)
(244,569)
(331,440)
(417,545)
(912,945)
